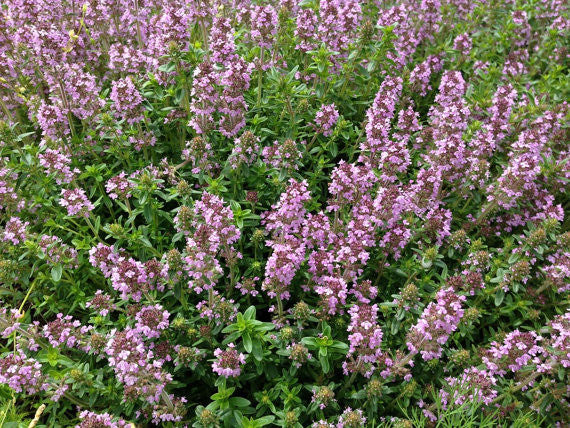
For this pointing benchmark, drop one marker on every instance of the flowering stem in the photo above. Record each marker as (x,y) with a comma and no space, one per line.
(167,400)
(350,71)
(210,297)
(11,402)
(487,209)
(92,228)
(523,383)
(6,111)
(260,77)
(292,114)
(139,36)
(76,400)
(543,287)
(27,295)
(204,33)
(308,147)
(182,165)
(22,307)
(128,205)
(351,379)
(66,105)
(381,271)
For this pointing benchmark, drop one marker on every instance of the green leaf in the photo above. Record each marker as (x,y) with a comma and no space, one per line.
(147,211)
(339,347)
(56,272)
(249,314)
(325,364)
(247,343)
(257,350)
(310,341)
(239,402)
(395,327)
(266,420)
(266,326)
(53,357)
(514,257)
(499,297)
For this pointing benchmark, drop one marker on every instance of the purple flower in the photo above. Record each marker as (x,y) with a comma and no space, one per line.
(517,350)
(205,97)
(119,187)
(102,303)
(245,151)
(379,117)
(58,164)
(299,354)
(263,25)
(15,231)
(91,419)
(351,418)
(325,119)
(22,374)
(76,202)
(463,44)
(305,30)
(65,331)
(151,320)
(228,362)
(283,155)
(127,100)
(439,319)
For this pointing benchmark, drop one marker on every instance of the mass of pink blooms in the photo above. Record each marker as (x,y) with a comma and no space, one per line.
(324,213)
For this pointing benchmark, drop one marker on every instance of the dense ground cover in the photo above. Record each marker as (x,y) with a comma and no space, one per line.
(328,214)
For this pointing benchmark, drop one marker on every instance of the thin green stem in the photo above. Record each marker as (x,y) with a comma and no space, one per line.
(27,295)
(92,228)
(280,307)
(260,77)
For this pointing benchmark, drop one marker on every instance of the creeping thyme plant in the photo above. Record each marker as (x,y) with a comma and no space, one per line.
(314,213)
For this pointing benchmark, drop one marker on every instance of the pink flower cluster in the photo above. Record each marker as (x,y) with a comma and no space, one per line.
(339,19)
(305,30)
(473,384)
(211,232)
(65,331)
(365,339)
(58,164)
(102,303)
(136,366)
(76,202)
(119,187)
(198,153)
(325,119)
(422,73)
(245,150)
(22,374)
(517,351)
(282,155)
(379,117)
(151,321)
(128,276)
(284,222)
(228,363)
(90,419)
(57,251)
(15,231)
(127,100)
(438,321)
(9,198)
(263,25)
